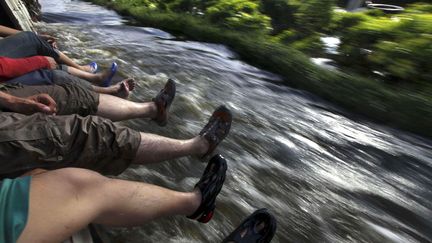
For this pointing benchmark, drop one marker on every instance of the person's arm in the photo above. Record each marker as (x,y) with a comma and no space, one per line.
(28,105)
(6,31)
(15,67)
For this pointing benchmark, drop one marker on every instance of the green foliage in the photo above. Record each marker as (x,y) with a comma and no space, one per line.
(398,45)
(238,14)
(406,60)
(281,13)
(396,106)
(314,16)
(311,45)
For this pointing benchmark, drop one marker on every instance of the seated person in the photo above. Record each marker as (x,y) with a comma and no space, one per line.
(92,142)
(51,206)
(37,70)
(19,44)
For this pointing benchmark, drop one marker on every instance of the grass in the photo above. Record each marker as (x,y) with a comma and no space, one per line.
(401,108)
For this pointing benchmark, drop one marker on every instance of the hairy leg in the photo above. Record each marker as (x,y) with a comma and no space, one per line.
(66,200)
(154,148)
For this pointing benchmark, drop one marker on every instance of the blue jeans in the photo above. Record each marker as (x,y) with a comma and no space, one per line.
(26,44)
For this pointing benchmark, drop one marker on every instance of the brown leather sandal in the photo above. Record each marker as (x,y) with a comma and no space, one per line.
(163,102)
(217,128)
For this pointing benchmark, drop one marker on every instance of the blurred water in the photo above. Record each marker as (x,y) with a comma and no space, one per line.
(327,175)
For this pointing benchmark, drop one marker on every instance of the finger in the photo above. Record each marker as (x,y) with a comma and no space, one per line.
(48,101)
(39,107)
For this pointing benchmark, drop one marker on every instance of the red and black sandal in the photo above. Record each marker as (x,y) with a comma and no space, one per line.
(163,102)
(259,227)
(210,185)
(217,128)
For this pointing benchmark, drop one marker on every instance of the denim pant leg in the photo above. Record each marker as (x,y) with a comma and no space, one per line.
(38,77)
(26,44)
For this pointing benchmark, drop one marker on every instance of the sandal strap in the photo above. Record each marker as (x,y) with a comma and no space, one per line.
(163,102)
(210,185)
(217,128)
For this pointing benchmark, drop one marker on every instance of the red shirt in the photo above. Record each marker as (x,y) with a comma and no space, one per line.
(14,67)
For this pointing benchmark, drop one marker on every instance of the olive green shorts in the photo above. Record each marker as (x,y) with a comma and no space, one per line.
(71,98)
(52,142)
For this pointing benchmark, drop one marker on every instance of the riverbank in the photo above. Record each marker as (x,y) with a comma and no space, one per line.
(399,107)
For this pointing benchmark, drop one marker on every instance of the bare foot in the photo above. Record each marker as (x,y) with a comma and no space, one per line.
(86,68)
(124,88)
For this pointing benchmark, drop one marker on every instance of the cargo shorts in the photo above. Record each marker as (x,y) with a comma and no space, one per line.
(64,140)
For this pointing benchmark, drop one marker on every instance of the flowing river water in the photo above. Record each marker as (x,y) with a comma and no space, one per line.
(326,174)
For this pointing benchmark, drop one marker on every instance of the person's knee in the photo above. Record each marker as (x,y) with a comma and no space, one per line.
(80,179)
(29,35)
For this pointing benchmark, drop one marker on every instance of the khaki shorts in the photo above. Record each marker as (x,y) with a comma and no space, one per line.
(71,98)
(53,142)
(64,140)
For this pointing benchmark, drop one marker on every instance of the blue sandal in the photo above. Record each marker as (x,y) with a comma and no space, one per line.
(259,227)
(210,185)
(107,81)
(93,67)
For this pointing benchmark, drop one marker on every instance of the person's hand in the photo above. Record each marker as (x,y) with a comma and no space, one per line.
(50,39)
(52,63)
(32,104)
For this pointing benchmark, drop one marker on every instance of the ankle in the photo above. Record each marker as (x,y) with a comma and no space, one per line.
(201,145)
(195,201)
(153,110)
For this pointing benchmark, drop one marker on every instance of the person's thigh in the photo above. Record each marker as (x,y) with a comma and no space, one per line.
(60,205)
(50,77)
(52,142)
(70,98)
(38,77)
(26,44)
(63,77)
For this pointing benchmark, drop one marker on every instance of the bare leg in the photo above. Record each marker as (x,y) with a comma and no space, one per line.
(66,60)
(66,200)
(97,78)
(118,109)
(155,148)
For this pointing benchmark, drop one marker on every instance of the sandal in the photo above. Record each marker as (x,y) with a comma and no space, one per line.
(210,185)
(93,67)
(259,227)
(217,128)
(107,81)
(163,102)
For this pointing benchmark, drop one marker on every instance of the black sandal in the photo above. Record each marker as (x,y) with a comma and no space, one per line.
(210,185)
(163,102)
(217,128)
(259,227)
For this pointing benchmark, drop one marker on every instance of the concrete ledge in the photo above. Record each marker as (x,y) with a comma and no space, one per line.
(18,14)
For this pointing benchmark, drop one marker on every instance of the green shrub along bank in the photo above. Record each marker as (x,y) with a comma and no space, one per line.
(383,102)
(398,46)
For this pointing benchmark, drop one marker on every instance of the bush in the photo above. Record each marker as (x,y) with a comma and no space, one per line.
(281,12)
(397,45)
(314,15)
(238,14)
